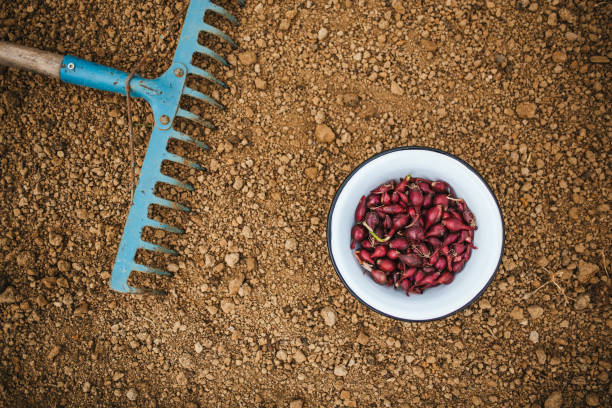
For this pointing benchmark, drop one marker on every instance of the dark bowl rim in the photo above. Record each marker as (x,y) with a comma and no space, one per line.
(376,156)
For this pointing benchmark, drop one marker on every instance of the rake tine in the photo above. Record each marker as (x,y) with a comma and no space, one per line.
(207,75)
(181,160)
(191,116)
(215,31)
(169,204)
(242,3)
(154,271)
(223,12)
(175,182)
(157,248)
(210,53)
(203,97)
(160,225)
(188,139)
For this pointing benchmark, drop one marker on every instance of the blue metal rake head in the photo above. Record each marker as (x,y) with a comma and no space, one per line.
(164,95)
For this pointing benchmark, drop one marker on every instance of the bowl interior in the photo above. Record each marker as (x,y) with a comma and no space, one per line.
(434,302)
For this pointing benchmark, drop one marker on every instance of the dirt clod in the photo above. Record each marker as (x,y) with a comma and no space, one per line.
(517,313)
(235,284)
(526,110)
(8,295)
(247,58)
(260,84)
(363,339)
(55,349)
(131,394)
(296,404)
(232,259)
(291,244)
(396,89)
(324,134)
(340,371)
(535,312)
(329,316)
(586,271)
(554,400)
(592,400)
(582,302)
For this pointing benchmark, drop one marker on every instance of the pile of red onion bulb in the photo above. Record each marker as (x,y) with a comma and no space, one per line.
(414,234)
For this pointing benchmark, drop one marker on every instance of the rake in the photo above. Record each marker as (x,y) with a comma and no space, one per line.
(163,94)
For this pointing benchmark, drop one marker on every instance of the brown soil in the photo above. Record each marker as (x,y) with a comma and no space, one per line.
(519,89)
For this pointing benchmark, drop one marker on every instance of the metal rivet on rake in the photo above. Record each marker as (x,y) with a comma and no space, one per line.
(179,72)
(164,120)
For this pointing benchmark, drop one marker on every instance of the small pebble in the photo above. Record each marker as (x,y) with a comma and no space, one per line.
(396,89)
(541,355)
(247,232)
(429,45)
(535,311)
(322,34)
(500,59)
(55,239)
(299,357)
(526,110)
(228,306)
(131,394)
(8,295)
(586,271)
(311,172)
(559,57)
(186,361)
(247,58)
(260,84)
(542,261)
(555,400)
(232,259)
(235,283)
(281,355)
(324,134)
(238,183)
(592,400)
(582,302)
(251,264)
(340,371)
(291,244)
(363,338)
(53,352)
(351,100)
(198,348)
(296,404)
(329,316)
(517,313)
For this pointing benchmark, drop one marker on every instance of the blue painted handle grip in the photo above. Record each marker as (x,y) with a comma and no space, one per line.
(163,93)
(81,72)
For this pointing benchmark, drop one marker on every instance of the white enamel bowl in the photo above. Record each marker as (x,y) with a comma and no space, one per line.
(440,301)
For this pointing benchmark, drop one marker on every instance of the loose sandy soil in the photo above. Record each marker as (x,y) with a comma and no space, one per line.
(519,89)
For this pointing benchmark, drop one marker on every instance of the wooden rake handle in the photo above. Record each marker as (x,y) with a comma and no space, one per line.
(19,56)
